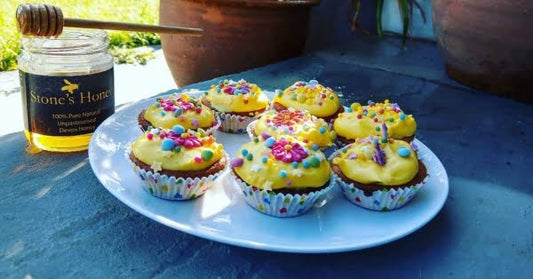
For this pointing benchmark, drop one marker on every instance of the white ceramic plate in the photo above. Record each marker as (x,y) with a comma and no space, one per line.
(222,214)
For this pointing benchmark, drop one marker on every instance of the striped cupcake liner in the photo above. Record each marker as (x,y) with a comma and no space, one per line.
(279,204)
(171,187)
(235,124)
(381,200)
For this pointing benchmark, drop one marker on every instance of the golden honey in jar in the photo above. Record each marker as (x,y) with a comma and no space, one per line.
(67,87)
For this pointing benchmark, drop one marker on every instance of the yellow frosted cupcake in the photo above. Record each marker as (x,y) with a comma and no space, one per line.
(296,123)
(176,164)
(178,109)
(237,103)
(312,96)
(378,174)
(359,122)
(281,177)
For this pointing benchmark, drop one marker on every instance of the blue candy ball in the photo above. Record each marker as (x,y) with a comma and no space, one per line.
(270,142)
(404,151)
(178,129)
(167,144)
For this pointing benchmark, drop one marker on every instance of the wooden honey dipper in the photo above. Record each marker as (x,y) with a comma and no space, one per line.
(47,20)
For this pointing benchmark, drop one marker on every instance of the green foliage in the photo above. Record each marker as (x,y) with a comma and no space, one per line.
(145,12)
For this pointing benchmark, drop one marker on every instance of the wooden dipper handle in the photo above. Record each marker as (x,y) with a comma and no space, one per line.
(47,20)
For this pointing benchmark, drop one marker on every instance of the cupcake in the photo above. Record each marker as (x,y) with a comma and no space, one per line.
(378,174)
(176,164)
(312,96)
(236,104)
(281,177)
(296,123)
(183,110)
(359,122)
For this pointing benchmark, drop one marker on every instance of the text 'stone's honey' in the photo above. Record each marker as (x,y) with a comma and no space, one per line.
(67,89)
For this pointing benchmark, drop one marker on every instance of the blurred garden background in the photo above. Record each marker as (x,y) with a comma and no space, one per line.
(122,43)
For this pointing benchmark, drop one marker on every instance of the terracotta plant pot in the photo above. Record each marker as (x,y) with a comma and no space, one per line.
(487,44)
(238,35)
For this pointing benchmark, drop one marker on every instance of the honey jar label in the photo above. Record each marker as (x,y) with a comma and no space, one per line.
(66,105)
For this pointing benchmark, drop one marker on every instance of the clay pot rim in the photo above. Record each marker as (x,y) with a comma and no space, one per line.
(259,3)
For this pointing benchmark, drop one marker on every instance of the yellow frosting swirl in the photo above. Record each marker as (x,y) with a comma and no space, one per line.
(257,165)
(232,96)
(312,96)
(179,110)
(363,121)
(357,162)
(195,151)
(297,123)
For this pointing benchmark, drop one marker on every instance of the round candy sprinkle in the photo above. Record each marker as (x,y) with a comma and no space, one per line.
(150,136)
(162,113)
(264,159)
(306,164)
(167,144)
(178,112)
(197,159)
(315,147)
(288,182)
(207,155)
(270,142)
(244,152)
(404,151)
(402,116)
(359,116)
(177,149)
(236,162)
(377,128)
(295,165)
(372,114)
(391,119)
(178,129)
(265,136)
(256,140)
(198,110)
(322,130)
(349,110)
(315,163)
(249,157)
(155,131)
(283,174)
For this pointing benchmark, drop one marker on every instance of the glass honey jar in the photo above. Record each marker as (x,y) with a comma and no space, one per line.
(67,86)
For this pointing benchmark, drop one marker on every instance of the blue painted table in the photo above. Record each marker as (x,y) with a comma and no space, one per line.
(56,219)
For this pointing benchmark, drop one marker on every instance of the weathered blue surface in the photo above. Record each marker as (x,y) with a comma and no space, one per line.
(57,220)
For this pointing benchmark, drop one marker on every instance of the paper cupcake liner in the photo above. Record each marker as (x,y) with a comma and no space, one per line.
(235,124)
(209,131)
(171,187)
(381,200)
(279,204)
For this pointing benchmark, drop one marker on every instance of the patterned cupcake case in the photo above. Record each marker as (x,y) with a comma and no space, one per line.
(385,199)
(279,204)
(232,123)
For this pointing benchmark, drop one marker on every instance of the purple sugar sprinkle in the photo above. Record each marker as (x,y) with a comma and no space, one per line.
(265,136)
(385,132)
(236,162)
(379,156)
(414,146)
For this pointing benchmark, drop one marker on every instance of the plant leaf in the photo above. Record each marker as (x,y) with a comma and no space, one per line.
(404,12)
(378,18)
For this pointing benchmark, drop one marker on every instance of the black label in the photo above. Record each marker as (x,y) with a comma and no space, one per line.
(66,105)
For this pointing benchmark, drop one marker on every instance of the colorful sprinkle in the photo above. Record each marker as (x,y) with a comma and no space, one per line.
(404,151)
(249,157)
(207,155)
(306,164)
(150,136)
(197,159)
(167,144)
(236,162)
(315,147)
(270,142)
(402,116)
(283,174)
(178,129)
(314,161)
(256,140)
(264,159)
(244,152)
(295,165)
(322,130)
(265,136)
